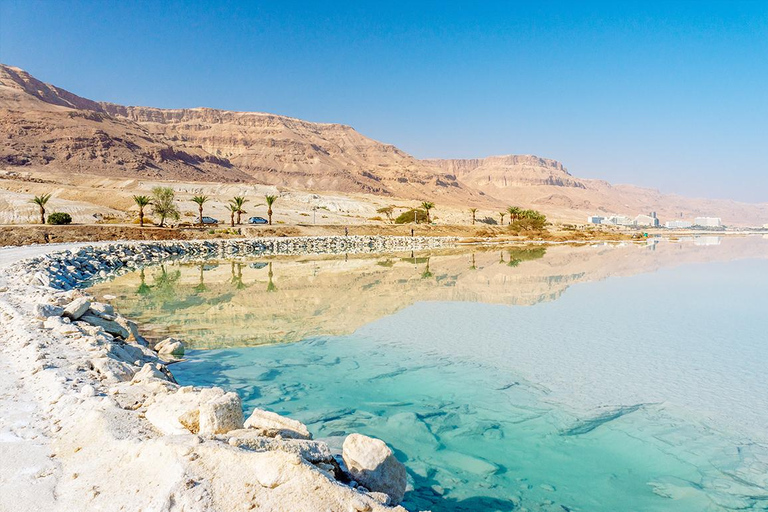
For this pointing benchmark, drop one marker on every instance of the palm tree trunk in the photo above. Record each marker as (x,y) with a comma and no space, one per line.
(42,215)
(141,216)
(201,214)
(232,219)
(269,214)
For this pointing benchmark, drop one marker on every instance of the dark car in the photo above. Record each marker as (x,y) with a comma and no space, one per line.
(209,220)
(257,220)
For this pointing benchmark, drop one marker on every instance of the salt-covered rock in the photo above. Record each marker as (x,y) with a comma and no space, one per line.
(148,373)
(113,370)
(311,451)
(45,310)
(165,412)
(101,309)
(77,308)
(271,424)
(170,346)
(371,462)
(109,326)
(221,415)
(132,328)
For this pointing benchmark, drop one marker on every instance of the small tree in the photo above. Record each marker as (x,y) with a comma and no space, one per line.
(200,200)
(473,211)
(41,201)
(426,205)
(164,204)
(141,202)
(502,214)
(387,211)
(232,209)
(238,202)
(270,201)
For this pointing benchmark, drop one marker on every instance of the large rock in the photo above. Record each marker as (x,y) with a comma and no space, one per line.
(109,326)
(371,462)
(77,308)
(44,311)
(113,370)
(311,451)
(170,347)
(132,328)
(271,424)
(101,309)
(221,415)
(205,411)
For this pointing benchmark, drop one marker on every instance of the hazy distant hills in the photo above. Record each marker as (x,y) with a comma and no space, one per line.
(47,128)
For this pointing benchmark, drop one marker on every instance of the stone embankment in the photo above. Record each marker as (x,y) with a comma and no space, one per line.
(68,269)
(117,431)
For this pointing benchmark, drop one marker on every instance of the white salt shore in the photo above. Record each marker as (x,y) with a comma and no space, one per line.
(92,421)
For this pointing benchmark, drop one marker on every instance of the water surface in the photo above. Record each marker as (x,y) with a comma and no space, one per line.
(598,378)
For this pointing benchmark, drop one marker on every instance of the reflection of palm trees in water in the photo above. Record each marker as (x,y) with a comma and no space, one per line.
(237,277)
(165,284)
(501,257)
(426,274)
(144,288)
(201,285)
(271,286)
(473,266)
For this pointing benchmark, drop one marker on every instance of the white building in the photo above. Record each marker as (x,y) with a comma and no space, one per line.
(595,219)
(647,220)
(708,222)
(678,224)
(618,220)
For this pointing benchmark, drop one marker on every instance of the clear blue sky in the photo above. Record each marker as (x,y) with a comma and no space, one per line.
(672,95)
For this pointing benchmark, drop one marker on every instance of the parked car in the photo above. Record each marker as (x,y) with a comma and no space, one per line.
(209,220)
(257,220)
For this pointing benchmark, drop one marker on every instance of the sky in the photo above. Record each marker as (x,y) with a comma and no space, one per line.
(669,95)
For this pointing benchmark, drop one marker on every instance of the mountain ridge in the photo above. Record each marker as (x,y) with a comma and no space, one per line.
(49,128)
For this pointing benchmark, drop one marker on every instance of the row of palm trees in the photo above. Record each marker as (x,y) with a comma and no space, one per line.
(234,207)
(514,212)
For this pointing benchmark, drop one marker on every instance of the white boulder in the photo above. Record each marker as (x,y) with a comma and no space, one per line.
(371,462)
(44,311)
(77,308)
(221,415)
(271,424)
(170,346)
(109,326)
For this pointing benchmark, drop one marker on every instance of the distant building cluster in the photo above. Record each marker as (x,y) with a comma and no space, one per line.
(652,221)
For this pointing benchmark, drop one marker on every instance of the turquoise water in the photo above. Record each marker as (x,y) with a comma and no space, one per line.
(628,378)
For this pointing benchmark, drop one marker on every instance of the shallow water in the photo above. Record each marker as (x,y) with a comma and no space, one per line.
(626,378)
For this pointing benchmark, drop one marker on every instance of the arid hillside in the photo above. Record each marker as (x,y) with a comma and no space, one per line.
(48,131)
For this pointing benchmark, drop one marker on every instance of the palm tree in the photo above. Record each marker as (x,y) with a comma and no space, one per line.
(200,200)
(427,206)
(271,285)
(141,202)
(473,211)
(514,213)
(232,209)
(41,201)
(270,201)
(238,202)
(502,214)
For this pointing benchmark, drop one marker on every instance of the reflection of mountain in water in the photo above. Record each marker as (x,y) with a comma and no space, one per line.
(231,303)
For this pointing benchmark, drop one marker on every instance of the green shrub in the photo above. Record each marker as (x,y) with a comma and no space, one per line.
(408,216)
(59,218)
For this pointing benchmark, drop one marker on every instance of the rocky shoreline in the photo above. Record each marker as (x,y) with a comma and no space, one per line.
(105,426)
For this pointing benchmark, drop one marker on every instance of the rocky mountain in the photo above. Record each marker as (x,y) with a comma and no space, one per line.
(46,128)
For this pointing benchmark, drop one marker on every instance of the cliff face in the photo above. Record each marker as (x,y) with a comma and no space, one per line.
(503,171)
(53,128)
(281,150)
(47,128)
